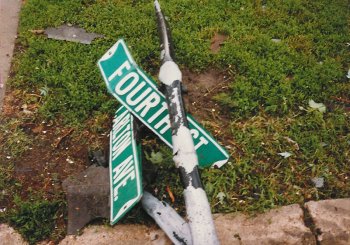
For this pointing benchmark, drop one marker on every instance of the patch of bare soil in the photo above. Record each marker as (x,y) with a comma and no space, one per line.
(201,88)
(343,100)
(56,153)
(216,42)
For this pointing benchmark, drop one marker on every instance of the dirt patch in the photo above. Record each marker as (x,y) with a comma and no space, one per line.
(216,42)
(201,88)
(11,104)
(343,100)
(56,153)
(44,166)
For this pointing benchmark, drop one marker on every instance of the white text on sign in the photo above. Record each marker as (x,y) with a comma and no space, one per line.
(121,139)
(130,85)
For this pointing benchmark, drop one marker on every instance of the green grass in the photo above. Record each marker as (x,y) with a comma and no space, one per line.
(259,178)
(8,186)
(35,220)
(13,141)
(309,62)
(267,99)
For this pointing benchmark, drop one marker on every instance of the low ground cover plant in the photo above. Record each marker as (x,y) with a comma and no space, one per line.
(285,119)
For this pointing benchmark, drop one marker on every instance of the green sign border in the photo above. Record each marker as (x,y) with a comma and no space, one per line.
(117,215)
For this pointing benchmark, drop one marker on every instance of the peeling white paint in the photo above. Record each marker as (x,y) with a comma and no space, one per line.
(157,6)
(184,153)
(199,216)
(168,219)
(186,156)
(169,72)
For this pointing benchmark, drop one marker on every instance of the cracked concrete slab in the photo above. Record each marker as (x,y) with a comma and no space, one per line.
(283,225)
(119,234)
(9,236)
(331,220)
(9,11)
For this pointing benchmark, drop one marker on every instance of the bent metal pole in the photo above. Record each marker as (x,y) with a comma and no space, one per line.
(184,154)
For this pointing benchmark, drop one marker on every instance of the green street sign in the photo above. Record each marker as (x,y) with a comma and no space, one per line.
(125,168)
(140,95)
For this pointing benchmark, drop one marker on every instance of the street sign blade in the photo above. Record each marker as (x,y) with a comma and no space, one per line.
(125,166)
(140,95)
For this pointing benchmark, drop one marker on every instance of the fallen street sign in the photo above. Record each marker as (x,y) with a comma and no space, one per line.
(140,95)
(125,168)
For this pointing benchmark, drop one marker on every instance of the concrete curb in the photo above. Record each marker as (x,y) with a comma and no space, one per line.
(9,236)
(284,225)
(331,219)
(9,11)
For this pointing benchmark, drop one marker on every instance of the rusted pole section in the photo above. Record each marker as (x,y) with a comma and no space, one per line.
(184,154)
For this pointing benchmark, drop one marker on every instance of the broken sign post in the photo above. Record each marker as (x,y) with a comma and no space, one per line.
(176,228)
(184,154)
(192,145)
(140,95)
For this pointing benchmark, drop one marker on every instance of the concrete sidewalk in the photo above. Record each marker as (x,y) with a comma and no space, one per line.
(9,10)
